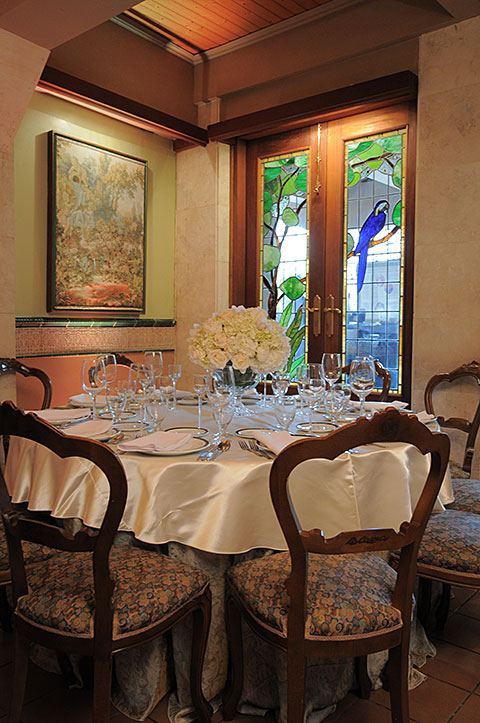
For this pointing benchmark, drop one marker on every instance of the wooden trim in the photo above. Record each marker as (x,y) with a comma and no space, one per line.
(124,109)
(238,230)
(372,94)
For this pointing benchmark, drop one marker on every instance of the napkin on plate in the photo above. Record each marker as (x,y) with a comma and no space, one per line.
(57,416)
(90,428)
(275,441)
(157,442)
(380,406)
(426,418)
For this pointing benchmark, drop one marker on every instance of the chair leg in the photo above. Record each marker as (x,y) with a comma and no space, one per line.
(296,667)
(201,626)
(233,690)
(102,679)
(5,611)
(363,679)
(22,649)
(443,607)
(398,681)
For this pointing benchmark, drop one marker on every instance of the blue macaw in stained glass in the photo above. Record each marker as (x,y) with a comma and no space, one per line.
(372,225)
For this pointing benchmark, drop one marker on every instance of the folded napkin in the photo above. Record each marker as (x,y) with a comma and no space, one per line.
(275,441)
(100,399)
(157,442)
(56,416)
(90,428)
(380,406)
(425,417)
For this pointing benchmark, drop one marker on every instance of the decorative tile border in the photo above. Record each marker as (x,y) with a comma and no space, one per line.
(59,337)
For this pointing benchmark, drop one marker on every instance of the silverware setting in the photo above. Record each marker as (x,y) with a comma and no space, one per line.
(214,451)
(251,446)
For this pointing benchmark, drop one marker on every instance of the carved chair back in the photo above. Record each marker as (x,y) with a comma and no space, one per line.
(13,365)
(468,426)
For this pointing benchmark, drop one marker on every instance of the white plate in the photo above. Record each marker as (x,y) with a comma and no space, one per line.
(316,427)
(248,432)
(85,400)
(189,402)
(193,446)
(196,431)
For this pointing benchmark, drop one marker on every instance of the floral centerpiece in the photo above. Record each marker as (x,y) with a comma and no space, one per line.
(243,338)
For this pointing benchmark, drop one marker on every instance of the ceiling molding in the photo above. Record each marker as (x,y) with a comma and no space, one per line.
(142,31)
(78,91)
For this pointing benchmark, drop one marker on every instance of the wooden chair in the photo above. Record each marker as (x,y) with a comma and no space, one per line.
(381,372)
(13,365)
(95,598)
(325,598)
(466,490)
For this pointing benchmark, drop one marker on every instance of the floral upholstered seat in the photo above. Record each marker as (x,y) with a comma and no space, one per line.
(347,594)
(32,554)
(467,495)
(148,587)
(452,541)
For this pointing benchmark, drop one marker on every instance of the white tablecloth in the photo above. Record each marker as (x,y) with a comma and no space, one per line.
(224,506)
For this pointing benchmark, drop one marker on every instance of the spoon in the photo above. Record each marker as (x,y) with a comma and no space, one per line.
(222,446)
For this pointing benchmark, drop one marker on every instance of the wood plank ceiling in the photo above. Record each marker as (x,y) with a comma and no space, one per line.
(201,25)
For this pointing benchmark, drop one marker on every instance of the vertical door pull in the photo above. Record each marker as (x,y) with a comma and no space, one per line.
(316,310)
(330,311)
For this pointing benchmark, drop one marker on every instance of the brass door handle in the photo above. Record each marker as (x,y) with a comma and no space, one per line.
(316,310)
(330,310)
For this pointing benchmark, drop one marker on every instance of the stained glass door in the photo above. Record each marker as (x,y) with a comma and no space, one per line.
(332,241)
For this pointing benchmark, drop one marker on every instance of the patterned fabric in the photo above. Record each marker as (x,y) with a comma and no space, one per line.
(148,586)
(452,541)
(467,495)
(31,553)
(456,471)
(347,594)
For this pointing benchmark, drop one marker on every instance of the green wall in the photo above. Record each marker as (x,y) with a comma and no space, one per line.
(47,113)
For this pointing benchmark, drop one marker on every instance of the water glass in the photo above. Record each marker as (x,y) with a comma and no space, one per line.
(331,367)
(165,388)
(362,379)
(174,372)
(154,360)
(157,410)
(116,399)
(284,409)
(94,383)
(200,386)
(280,382)
(223,410)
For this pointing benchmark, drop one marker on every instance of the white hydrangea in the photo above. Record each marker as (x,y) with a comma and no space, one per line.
(245,337)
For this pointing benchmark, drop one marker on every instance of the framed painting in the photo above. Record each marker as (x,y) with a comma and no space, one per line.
(96,229)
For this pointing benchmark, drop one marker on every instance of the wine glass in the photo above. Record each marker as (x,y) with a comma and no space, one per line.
(157,410)
(116,398)
(223,409)
(284,408)
(174,372)
(110,366)
(154,360)
(142,385)
(94,383)
(280,382)
(302,376)
(165,389)
(200,386)
(362,379)
(331,367)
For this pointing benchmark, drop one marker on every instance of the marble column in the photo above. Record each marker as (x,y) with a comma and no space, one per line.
(22,63)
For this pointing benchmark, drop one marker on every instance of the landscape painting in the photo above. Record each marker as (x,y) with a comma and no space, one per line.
(96,236)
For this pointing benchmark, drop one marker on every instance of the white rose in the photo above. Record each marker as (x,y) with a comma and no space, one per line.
(218,358)
(241,362)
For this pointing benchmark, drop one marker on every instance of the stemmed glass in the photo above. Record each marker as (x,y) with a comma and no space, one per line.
(154,360)
(331,367)
(174,372)
(362,378)
(142,383)
(200,386)
(94,383)
(302,376)
(116,399)
(280,382)
(284,409)
(222,402)
(157,410)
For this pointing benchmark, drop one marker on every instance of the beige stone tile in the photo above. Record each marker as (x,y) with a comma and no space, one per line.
(196,177)
(441,65)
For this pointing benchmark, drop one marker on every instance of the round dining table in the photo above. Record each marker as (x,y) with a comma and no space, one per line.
(212,514)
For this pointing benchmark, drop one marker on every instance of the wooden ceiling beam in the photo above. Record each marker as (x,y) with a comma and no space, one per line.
(371,94)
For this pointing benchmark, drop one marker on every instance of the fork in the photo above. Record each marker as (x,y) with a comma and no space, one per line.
(251,447)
